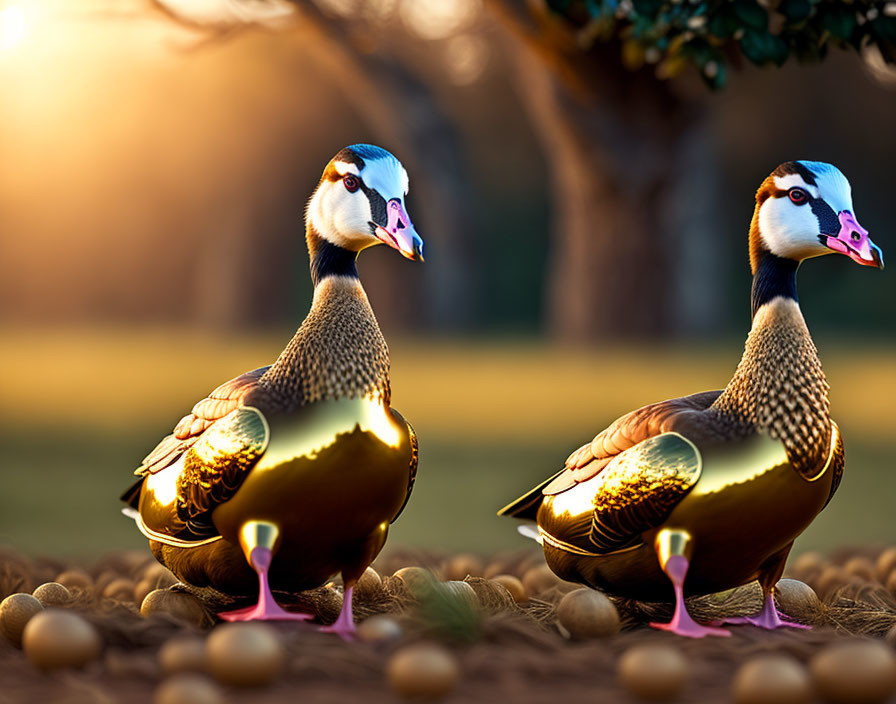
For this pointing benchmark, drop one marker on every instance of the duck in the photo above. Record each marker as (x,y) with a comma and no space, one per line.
(291,474)
(701,494)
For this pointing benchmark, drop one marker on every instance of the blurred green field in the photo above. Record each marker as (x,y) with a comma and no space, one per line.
(80,408)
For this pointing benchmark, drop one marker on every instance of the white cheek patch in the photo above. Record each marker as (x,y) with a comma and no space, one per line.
(387,177)
(789,230)
(341,217)
(789,181)
(343,168)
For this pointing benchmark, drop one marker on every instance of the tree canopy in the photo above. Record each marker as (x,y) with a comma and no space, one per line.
(715,34)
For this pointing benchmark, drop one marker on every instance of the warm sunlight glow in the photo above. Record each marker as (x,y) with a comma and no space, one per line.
(12,26)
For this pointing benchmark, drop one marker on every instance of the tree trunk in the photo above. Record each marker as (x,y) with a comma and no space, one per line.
(617,143)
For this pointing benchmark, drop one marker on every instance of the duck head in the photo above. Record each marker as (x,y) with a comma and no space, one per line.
(359,202)
(804,209)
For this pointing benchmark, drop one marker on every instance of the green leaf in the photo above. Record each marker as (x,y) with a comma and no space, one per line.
(762,48)
(795,10)
(839,21)
(723,24)
(751,14)
(647,8)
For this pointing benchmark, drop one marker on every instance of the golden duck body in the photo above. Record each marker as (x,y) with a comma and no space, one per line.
(290,474)
(707,492)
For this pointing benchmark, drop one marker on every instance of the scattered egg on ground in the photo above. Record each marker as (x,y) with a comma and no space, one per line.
(586,613)
(855,672)
(188,688)
(182,654)
(422,671)
(179,605)
(379,629)
(15,612)
(57,638)
(653,672)
(798,600)
(75,579)
(514,586)
(464,565)
(886,562)
(245,654)
(52,594)
(771,679)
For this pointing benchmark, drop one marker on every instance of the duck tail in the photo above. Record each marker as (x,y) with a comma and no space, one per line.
(526,507)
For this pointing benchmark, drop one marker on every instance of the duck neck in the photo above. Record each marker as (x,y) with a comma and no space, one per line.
(779,387)
(338,350)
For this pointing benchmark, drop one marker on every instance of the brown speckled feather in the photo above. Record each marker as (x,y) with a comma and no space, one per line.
(223,400)
(684,414)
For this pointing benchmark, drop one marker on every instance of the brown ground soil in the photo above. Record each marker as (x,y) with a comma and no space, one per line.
(506,652)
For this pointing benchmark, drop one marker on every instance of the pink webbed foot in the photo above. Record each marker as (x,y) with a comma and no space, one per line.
(768,618)
(344,625)
(267,609)
(682,624)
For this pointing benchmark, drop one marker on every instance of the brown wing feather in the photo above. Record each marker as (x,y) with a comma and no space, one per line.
(223,400)
(626,432)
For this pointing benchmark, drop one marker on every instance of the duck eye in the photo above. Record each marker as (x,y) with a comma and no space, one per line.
(351,183)
(798,196)
(855,236)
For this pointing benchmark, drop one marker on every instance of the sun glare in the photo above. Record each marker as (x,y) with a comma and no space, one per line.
(12,26)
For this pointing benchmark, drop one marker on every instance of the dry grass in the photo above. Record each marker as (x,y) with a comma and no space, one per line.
(505,651)
(502,391)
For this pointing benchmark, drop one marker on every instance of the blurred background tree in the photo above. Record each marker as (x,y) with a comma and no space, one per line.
(595,77)
(573,169)
(578,172)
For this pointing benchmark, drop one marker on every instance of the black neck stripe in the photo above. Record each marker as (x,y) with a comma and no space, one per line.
(775,276)
(328,259)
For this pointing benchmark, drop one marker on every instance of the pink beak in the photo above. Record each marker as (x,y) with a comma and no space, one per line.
(399,233)
(854,242)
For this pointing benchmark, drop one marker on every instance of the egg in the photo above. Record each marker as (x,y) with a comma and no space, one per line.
(52,594)
(369,586)
(861,567)
(188,689)
(855,672)
(886,561)
(142,590)
(891,582)
(379,629)
(654,672)
(829,581)
(416,579)
(462,566)
(75,580)
(57,638)
(512,585)
(245,654)
(422,671)
(179,605)
(182,654)
(808,562)
(539,580)
(798,600)
(771,679)
(15,612)
(586,613)
(120,589)
(159,575)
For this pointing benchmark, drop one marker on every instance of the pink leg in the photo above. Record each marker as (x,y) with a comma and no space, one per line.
(676,568)
(344,625)
(267,608)
(768,617)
